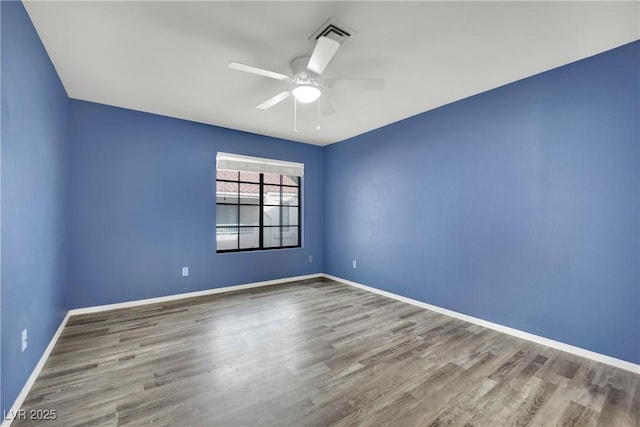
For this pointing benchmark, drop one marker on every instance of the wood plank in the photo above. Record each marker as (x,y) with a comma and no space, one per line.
(577,415)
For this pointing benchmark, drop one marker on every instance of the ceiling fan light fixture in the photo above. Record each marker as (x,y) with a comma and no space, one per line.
(306,94)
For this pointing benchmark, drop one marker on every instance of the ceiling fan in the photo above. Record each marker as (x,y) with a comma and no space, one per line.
(306,82)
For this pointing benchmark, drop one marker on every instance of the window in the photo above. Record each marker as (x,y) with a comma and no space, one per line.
(258,203)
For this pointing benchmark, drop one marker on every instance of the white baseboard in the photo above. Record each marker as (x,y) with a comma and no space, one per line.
(618,363)
(34,374)
(107,307)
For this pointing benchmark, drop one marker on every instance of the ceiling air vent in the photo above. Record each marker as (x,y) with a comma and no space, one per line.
(332,30)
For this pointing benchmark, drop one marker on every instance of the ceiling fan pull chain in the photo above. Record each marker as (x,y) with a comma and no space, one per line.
(318,115)
(295,115)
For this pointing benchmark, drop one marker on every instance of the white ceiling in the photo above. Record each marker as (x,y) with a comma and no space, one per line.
(170,58)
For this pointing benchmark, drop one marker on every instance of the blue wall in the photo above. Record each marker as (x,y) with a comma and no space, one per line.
(519,206)
(143,205)
(35,142)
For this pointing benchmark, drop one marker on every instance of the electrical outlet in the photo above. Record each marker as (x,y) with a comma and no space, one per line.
(355,265)
(24,340)
(310,259)
(185,271)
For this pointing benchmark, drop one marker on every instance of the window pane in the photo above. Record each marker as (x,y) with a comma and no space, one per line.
(226,241)
(271,215)
(226,192)
(289,215)
(250,215)
(228,175)
(290,197)
(249,237)
(290,180)
(250,194)
(290,236)
(272,194)
(226,216)
(271,178)
(284,216)
(272,237)
(250,176)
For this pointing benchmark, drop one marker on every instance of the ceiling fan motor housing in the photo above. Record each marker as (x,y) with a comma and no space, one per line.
(301,75)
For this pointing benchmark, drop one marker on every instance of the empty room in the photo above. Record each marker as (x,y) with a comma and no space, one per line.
(234,213)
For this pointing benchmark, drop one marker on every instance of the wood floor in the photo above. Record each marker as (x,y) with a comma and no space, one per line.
(316,354)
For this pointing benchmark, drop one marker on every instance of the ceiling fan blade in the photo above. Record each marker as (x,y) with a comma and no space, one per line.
(371,84)
(274,100)
(322,54)
(255,70)
(325,106)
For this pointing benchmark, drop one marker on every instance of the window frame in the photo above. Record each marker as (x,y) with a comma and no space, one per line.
(283,228)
